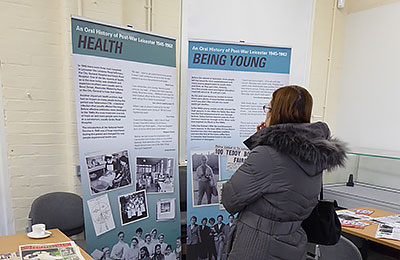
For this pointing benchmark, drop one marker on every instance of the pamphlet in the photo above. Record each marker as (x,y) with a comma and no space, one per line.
(364,211)
(353,224)
(57,251)
(388,231)
(350,215)
(10,256)
(390,220)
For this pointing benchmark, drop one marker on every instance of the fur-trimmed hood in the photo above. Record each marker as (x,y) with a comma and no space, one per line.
(309,144)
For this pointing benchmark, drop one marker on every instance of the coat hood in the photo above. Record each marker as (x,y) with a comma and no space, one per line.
(309,144)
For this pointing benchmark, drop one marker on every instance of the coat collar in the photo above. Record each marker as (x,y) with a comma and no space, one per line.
(310,143)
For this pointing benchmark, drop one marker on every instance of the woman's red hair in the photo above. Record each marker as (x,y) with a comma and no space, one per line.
(291,104)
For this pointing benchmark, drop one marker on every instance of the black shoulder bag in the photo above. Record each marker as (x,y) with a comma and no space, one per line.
(323,225)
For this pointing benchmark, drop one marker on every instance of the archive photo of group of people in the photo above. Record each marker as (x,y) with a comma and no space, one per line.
(208,239)
(151,246)
(133,207)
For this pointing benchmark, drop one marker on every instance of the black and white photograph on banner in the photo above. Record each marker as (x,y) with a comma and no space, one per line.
(165,209)
(207,237)
(108,171)
(133,207)
(205,174)
(145,243)
(155,174)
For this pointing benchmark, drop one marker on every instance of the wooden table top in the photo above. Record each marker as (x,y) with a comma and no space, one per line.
(9,244)
(369,231)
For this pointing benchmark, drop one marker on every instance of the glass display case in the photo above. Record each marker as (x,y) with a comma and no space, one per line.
(376,179)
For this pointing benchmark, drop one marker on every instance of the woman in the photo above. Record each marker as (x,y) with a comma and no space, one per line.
(106,253)
(277,186)
(144,253)
(193,239)
(148,244)
(169,255)
(214,239)
(157,253)
(206,240)
(133,252)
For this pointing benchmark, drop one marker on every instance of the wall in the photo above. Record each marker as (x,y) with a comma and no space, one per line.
(286,23)
(369,81)
(358,83)
(35,54)
(328,64)
(6,219)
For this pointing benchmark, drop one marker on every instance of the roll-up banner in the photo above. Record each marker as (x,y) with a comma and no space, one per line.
(125,95)
(228,86)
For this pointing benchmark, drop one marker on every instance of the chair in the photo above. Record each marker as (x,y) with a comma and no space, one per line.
(60,210)
(344,249)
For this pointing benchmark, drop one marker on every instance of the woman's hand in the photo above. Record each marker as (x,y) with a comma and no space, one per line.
(261,126)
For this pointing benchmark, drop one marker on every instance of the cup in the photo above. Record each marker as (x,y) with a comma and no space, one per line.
(39,229)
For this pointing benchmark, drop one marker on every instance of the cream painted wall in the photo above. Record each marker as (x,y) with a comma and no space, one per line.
(327,60)
(35,54)
(327,73)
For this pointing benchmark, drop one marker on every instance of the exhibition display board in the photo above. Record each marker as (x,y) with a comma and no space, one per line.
(125,94)
(228,86)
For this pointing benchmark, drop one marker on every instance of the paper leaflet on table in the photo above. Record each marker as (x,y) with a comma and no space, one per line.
(364,211)
(350,215)
(10,256)
(101,214)
(235,156)
(56,251)
(353,224)
(390,220)
(388,231)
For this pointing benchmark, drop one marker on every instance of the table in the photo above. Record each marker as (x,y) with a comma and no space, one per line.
(9,244)
(369,231)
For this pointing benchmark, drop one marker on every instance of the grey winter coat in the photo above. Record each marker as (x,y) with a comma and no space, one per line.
(276,188)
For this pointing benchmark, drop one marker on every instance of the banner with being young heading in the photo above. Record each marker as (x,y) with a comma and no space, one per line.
(125,95)
(228,86)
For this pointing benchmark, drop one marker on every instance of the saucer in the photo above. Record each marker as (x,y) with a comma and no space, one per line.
(32,235)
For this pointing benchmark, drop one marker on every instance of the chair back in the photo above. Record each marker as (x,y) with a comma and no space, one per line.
(60,210)
(344,249)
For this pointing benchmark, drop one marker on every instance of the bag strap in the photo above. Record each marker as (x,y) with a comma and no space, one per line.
(321,194)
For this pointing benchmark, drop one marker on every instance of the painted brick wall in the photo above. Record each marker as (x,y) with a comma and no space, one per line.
(38,97)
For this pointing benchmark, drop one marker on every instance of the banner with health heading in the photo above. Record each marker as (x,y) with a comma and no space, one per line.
(125,95)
